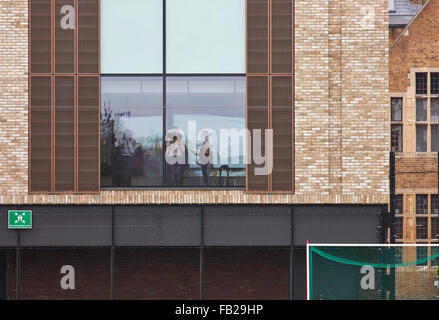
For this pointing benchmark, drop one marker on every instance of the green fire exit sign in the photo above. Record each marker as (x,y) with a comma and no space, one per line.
(20,219)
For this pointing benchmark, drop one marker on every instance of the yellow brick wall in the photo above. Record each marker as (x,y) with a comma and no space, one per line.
(341,112)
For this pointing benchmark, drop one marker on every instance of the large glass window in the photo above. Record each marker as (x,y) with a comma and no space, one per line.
(210,113)
(205,36)
(178,122)
(131,131)
(132,36)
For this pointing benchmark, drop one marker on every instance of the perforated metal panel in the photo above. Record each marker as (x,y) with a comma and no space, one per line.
(40,35)
(257,36)
(40,133)
(281,36)
(157,226)
(247,226)
(338,224)
(88,36)
(88,133)
(282,124)
(64,134)
(257,119)
(64,37)
(69,226)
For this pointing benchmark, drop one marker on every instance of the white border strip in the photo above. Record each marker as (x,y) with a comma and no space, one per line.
(372,245)
(307,271)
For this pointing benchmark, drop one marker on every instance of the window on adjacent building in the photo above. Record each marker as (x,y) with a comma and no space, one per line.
(131,36)
(434,109)
(421,83)
(421,138)
(421,252)
(396,137)
(398,203)
(434,204)
(421,228)
(435,228)
(434,83)
(434,138)
(421,204)
(399,227)
(205,36)
(396,109)
(421,109)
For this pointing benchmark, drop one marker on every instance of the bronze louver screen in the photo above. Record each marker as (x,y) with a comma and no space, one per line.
(88,133)
(257,119)
(64,96)
(64,133)
(257,36)
(281,36)
(40,35)
(40,133)
(88,36)
(270,91)
(64,40)
(281,122)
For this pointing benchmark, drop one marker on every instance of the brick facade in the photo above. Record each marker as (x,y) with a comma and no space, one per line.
(341,81)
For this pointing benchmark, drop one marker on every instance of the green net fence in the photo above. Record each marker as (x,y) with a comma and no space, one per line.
(395,272)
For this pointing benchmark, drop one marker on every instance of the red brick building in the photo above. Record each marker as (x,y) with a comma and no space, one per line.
(413,66)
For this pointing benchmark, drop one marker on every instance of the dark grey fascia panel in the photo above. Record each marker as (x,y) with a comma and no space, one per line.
(8,238)
(68,226)
(157,225)
(247,225)
(338,224)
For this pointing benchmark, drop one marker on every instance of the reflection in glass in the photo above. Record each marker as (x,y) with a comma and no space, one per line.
(205,36)
(131,131)
(205,119)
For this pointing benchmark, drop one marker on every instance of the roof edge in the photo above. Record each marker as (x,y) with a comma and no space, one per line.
(409,24)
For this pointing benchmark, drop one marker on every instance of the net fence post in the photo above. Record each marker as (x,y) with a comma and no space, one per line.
(17,267)
(112,254)
(307,271)
(202,254)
